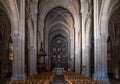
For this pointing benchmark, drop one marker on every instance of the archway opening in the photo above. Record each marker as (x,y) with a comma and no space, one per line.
(5,31)
(59,23)
(59,53)
(114,41)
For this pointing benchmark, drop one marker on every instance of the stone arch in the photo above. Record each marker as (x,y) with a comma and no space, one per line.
(113,31)
(72,8)
(103,16)
(65,13)
(56,28)
(59,27)
(5,31)
(59,4)
(107,8)
(46,29)
(58,31)
(59,21)
(60,24)
(11,10)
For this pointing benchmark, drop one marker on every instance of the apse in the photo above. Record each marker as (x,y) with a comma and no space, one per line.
(59,34)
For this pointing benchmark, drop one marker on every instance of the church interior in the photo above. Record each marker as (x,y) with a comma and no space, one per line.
(74,41)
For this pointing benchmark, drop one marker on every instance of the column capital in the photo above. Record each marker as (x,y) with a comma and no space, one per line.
(31,46)
(104,35)
(17,35)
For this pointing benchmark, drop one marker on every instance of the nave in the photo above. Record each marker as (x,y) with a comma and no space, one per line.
(52,78)
(81,36)
(65,78)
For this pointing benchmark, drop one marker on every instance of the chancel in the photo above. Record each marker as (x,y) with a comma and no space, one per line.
(66,41)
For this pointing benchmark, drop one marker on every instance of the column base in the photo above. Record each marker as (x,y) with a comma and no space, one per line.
(101,76)
(19,77)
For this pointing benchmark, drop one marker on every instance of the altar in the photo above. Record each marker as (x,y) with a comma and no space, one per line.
(58,70)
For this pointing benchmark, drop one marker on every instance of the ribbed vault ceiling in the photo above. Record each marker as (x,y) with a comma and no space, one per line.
(59,15)
(4,26)
(114,26)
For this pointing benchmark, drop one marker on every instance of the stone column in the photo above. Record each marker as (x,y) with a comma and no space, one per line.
(86,48)
(32,46)
(86,61)
(100,45)
(77,38)
(101,58)
(77,55)
(86,36)
(72,52)
(18,37)
(18,70)
(32,60)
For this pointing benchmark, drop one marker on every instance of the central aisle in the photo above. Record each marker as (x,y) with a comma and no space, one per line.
(58,80)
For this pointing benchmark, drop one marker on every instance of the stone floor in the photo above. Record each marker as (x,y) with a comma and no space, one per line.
(58,80)
(115,82)
(3,81)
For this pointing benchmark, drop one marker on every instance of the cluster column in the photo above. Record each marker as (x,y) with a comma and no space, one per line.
(100,45)
(32,60)
(86,10)
(101,58)
(77,46)
(18,71)
(18,37)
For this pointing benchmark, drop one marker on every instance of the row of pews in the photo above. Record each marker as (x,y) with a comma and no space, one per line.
(47,78)
(75,78)
(41,78)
